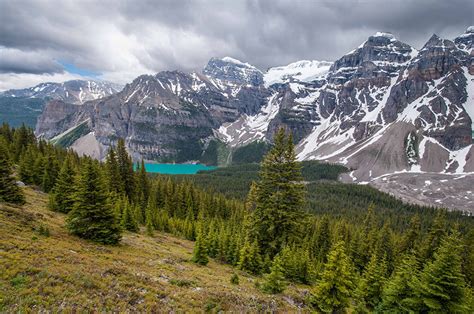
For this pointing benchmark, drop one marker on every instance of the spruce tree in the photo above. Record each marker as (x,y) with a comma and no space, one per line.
(112,170)
(50,173)
(9,191)
(335,288)
(149,219)
(279,197)
(200,251)
(250,258)
(441,287)
(92,216)
(61,198)
(275,281)
(125,170)
(371,284)
(129,221)
(398,293)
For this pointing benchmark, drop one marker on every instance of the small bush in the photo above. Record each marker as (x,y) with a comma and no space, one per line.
(44,231)
(234,279)
(18,281)
(182,282)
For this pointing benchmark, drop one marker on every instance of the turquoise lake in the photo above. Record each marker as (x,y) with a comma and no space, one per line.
(177,168)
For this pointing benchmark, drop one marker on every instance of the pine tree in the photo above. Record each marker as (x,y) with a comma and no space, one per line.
(436,233)
(409,240)
(129,221)
(398,294)
(143,187)
(125,170)
(112,172)
(200,251)
(234,279)
(371,284)
(9,191)
(250,258)
(275,281)
(149,219)
(441,286)
(335,288)
(279,197)
(50,173)
(61,198)
(92,216)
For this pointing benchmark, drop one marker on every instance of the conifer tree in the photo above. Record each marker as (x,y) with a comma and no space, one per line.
(371,284)
(279,197)
(436,233)
(129,221)
(441,287)
(398,293)
(275,281)
(9,191)
(50,173)
(335,288)
(409,240)
(61,198)
(92,216)
(200,251)
(250,258)
(143,188)
(125,170)
(149,219)
(113,174)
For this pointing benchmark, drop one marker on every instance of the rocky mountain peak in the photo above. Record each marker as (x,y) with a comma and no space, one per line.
(381,53)
(304,70)
(233,71)
(465,41)
(73,91)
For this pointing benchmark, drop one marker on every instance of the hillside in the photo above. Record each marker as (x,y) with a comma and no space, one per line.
(61,271)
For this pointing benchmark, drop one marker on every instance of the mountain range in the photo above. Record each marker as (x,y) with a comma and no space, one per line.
(384,110)
(19,106)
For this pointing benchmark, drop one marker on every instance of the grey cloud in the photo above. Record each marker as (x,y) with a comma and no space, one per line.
(17,61)
(122,38)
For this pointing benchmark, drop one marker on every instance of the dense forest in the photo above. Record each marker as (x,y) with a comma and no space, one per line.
(355,248)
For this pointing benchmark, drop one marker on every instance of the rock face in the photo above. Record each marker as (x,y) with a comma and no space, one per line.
(167,116)
(384,107)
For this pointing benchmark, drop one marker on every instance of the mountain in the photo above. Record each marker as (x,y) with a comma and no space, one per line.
(167,116)
(74,91)
(383,108)
(19,106)
(305,71)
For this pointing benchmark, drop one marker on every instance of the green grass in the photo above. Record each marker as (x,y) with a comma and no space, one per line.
(61,272)
(69,138)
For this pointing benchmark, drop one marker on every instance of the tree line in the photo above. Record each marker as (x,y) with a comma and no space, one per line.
(367,267)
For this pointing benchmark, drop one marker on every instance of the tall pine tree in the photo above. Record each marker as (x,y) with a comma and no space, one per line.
(441,287)
(61,198)
(9,191)
(92,216)
(335,288)
(279,197)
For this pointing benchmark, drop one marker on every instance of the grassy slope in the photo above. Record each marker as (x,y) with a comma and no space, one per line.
(154,273)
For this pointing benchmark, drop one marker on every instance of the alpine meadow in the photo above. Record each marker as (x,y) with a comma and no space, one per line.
(132,180)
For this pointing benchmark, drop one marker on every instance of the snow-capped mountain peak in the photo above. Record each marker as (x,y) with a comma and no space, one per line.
(233,71)
(74,91)
(304,70)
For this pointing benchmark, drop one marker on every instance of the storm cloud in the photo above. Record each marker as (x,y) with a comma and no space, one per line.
(122,39)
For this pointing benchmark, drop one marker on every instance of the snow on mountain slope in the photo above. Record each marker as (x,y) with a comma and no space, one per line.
(75,91)
(304,71)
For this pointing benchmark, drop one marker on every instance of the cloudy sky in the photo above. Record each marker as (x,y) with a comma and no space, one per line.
(117,40)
